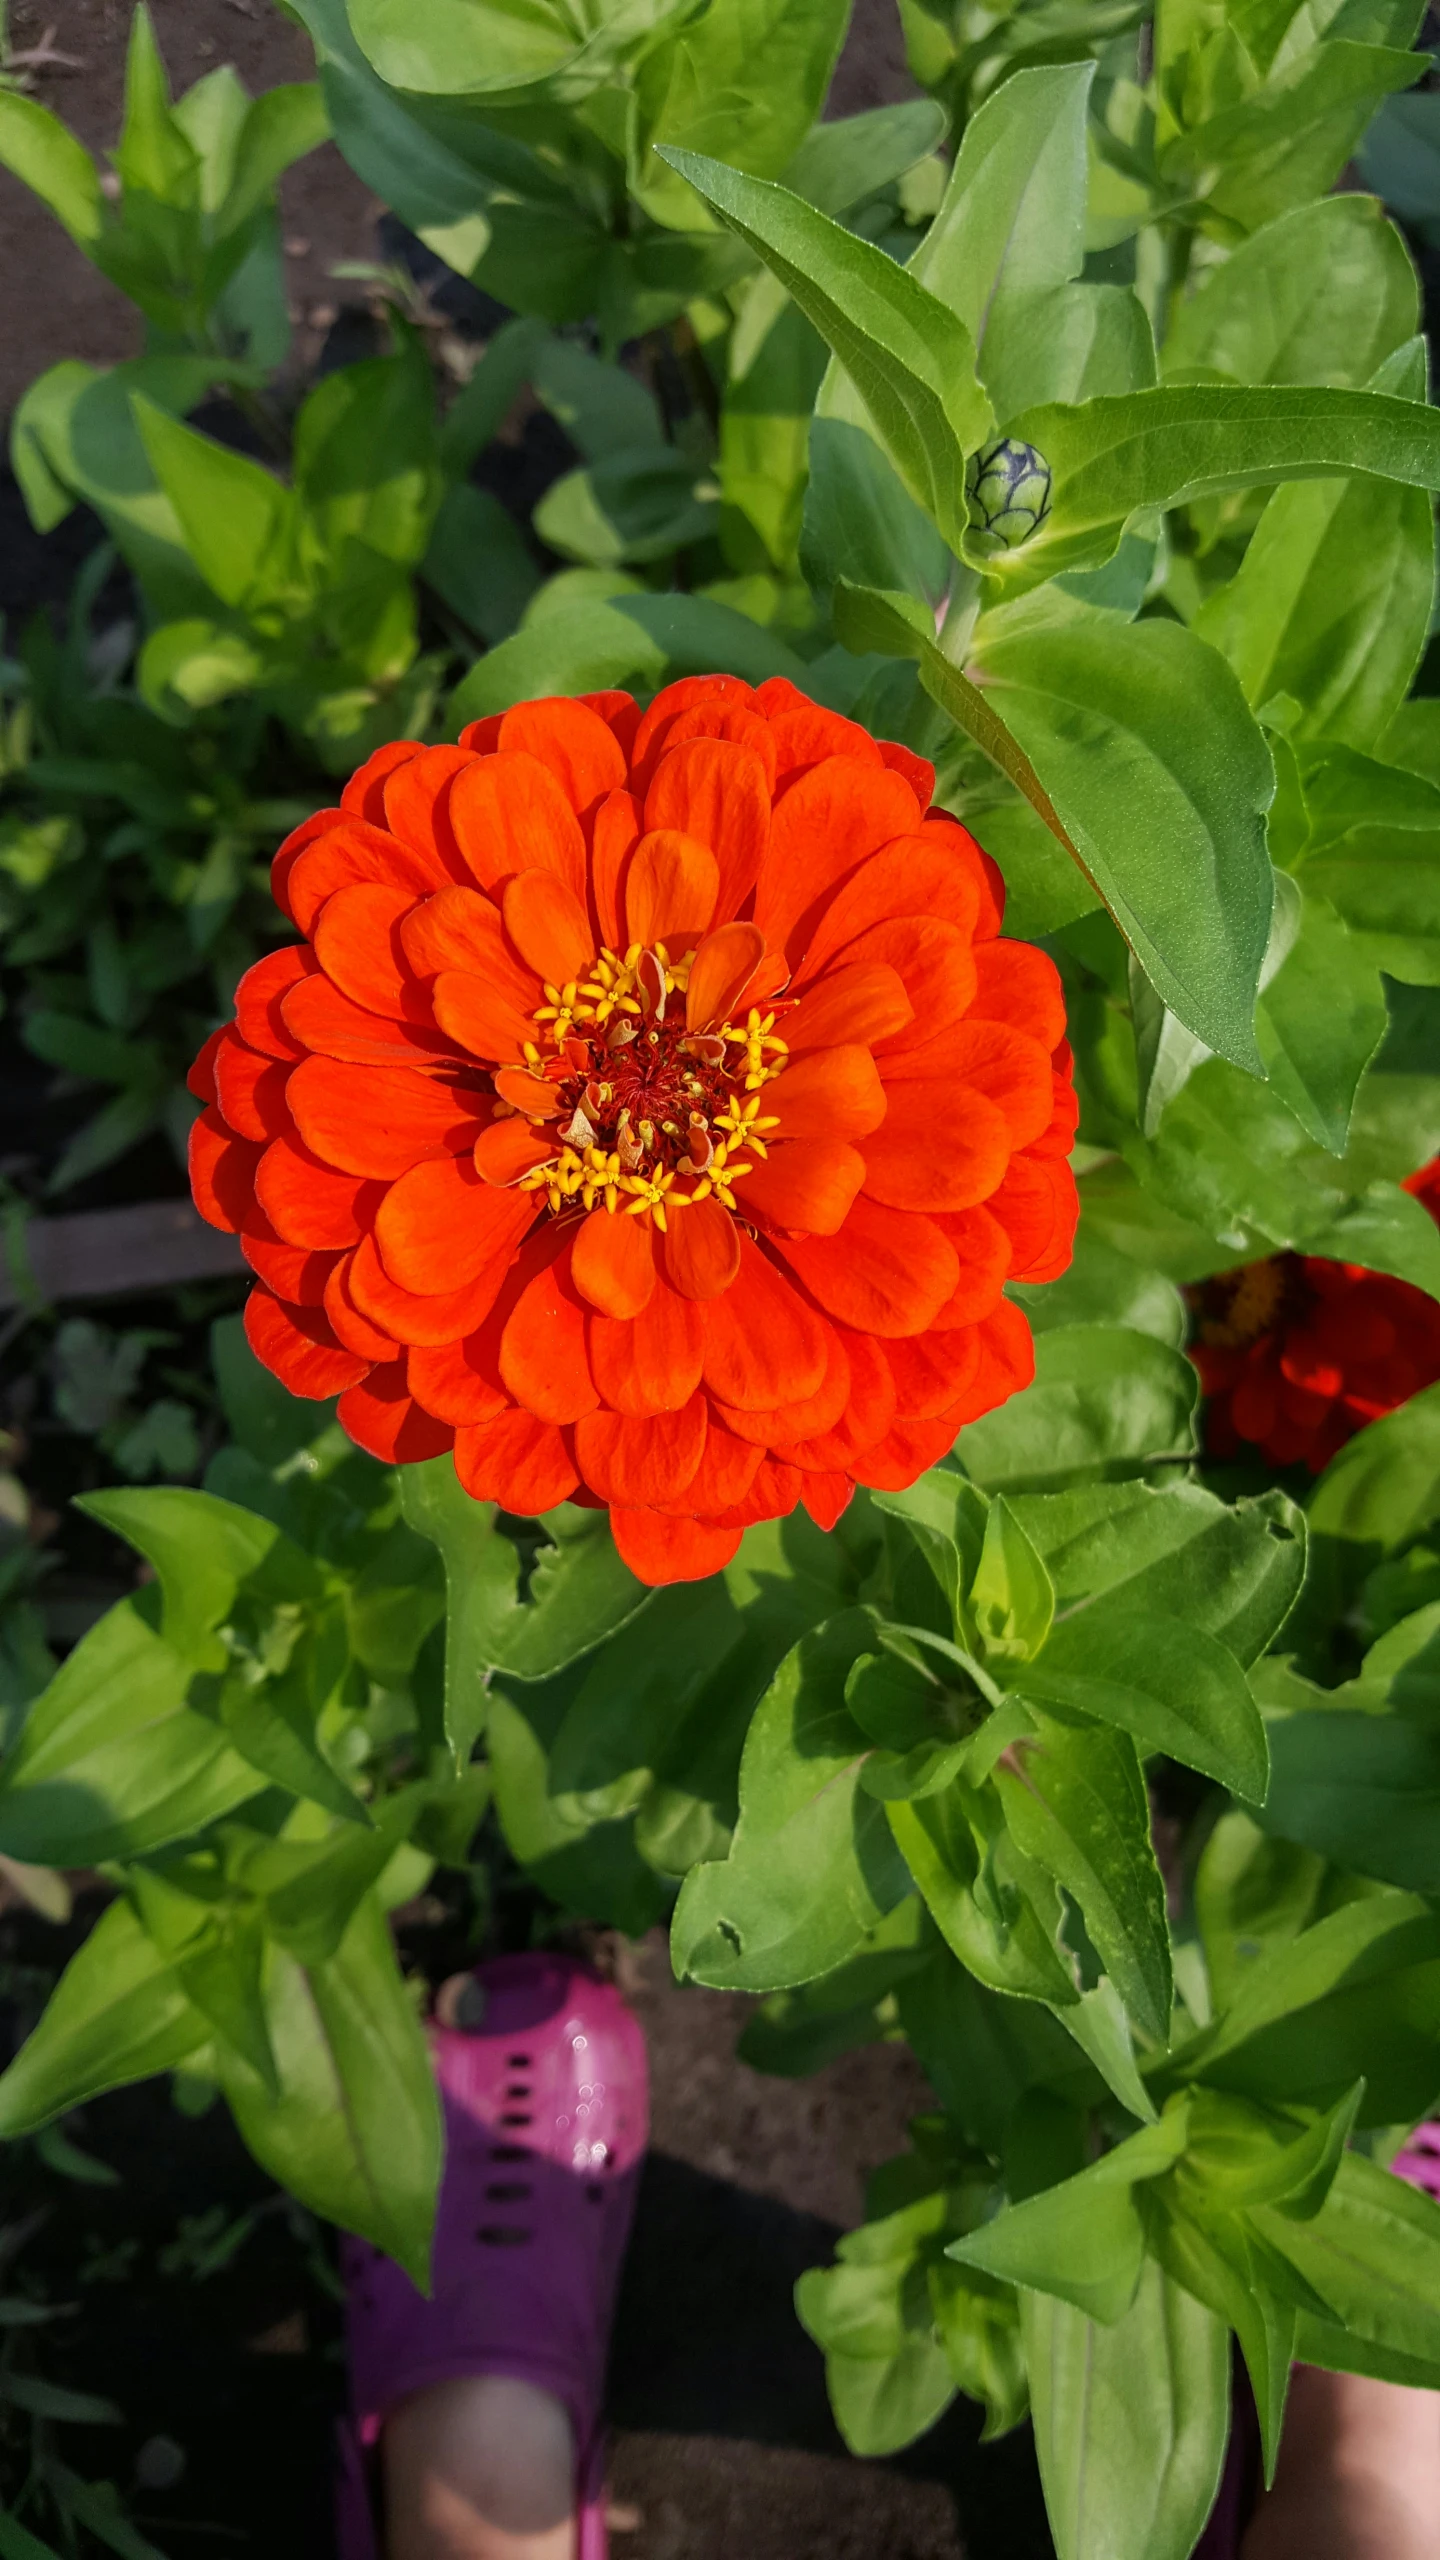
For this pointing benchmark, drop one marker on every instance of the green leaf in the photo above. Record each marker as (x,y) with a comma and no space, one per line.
(1362,1789)
(1106,1404)
(154,156)
(1075,1801)
(580,1592)
(799,2031)
(491,51)
(1169,1684)
(1373,2254)
(1320,1020)
(744,84)
(994,1906)
(911,360)
(1233,1570)
(1012,221)
(235,519)
(1282,625)
(1131,2421)
(355,2133)
(1178,852)
(118,2013)
(1082,2240)
(1355,1996)
(479,562)
(205,1552)
(39,150)
(636,639)
(17,2543)
(113,1760)
(861,525)
(849,157)
(636,506)
(1292,137)
(1250,1893)
(1323,294)
(812,1867)
(1101,1285)
(1163,448)
(281,126)
(366,465)
(1374,852)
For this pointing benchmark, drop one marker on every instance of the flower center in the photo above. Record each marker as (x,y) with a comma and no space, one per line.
(1236,1307)
(651,1114)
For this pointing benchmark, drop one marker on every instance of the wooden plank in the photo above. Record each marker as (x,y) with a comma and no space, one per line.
(109,1253)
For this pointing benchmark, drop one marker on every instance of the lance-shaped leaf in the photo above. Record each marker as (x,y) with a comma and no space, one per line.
(910,358)
(1173,1687)
(1233,1569)
(1164,447)
(1084,2239)
(1373,2254)
(1075,1802)
(1130,2421)
(1112,732)
(118,2013)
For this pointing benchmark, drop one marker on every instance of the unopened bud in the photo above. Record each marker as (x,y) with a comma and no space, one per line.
(1008,489)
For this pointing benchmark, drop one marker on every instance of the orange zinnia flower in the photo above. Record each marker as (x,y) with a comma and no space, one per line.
(1296,1354)
(650,1112)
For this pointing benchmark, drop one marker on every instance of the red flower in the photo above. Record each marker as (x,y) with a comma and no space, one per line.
(1296,1355)
(650,1111)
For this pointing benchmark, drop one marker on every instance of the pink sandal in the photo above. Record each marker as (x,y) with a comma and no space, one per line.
(546,2121)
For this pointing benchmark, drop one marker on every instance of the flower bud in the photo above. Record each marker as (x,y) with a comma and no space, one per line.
(1008,488)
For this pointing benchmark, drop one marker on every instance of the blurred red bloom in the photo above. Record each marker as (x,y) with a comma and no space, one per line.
(1296,1355)
(650,1112)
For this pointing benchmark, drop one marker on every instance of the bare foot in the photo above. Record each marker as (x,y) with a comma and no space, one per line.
(1358,2476)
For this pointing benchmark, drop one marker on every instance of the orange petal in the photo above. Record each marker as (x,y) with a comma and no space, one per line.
(297,1344)
(381,1415)
(828,1093)
(417,811)
(446,1381)
(670,887)
(509,1148)
(200,1075)
(576,745)
(443,1315)
(222,1172)
(824,826)
(984,1252)
(727,1470)
(826,1497)
(863,1001)
(357,943)
(806,1185)
(650,1364)
(918,770)
(775,1489)
(805,735)
(936,966)
(701,1250)
(288,1270)
(619,711)
(308,1203)
(548,925)
(802,1421)
(383,1119)
(661,1550)
(763,1345)
(887,1272)
(510,814)
(258,1017)
(969,856)
(908,1448)
(1009,1068)
(480,1018)
(542,1350)
(932,1371)
(722,970)
(613,1266)
(1015,983)
(869,1409)
(461,929)
(250,1089)
(364,793)
(1037,1204)
(718,794)
(347,1324)
(936,1149)
(290,851)
(1006,1364)
(516,1461)
(688,693)
(329,1025)
(480,737)
(914,877)
(529,1093)
(440,1226)
(641,1462)
(617,833)
(349,853)
(736,721)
